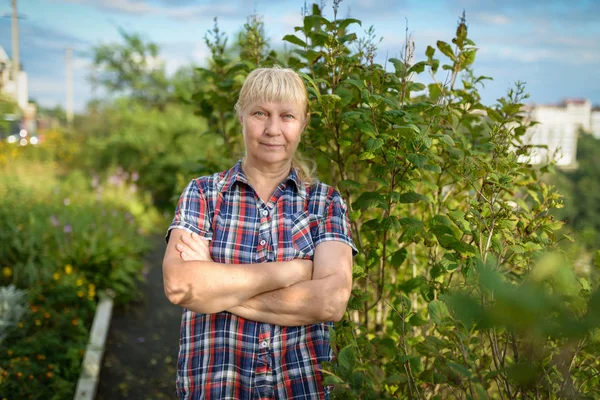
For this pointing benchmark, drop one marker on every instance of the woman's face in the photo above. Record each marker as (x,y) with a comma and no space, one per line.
(272,132)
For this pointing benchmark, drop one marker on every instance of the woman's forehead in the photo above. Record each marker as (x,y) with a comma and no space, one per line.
(278,105)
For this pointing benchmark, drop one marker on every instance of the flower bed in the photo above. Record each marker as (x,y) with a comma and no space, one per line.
(61,243)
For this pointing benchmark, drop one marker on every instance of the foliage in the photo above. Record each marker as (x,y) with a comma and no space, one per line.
(7,107)
(65,240)
(135,68)
(583,186)
(153,150)
(454,295)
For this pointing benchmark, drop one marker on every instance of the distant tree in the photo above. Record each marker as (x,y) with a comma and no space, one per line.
(7,107)
(582,187)
(132,68)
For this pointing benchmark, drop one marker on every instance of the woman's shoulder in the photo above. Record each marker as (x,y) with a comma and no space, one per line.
(209,183)
(321,195)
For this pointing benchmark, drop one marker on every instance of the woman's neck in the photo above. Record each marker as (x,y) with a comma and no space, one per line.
(265,180)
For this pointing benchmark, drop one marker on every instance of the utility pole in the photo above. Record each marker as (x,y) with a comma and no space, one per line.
(69,64)
(15,49)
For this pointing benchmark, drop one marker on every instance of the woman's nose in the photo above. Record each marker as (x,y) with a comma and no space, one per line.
(273,126)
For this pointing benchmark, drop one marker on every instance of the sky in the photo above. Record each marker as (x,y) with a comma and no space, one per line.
(552,45)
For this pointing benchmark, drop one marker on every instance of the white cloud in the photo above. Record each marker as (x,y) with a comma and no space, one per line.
(201,52)
(140,7)
(493,19)
(289,21)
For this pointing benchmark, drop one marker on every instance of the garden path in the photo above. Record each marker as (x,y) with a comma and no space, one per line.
(143,341)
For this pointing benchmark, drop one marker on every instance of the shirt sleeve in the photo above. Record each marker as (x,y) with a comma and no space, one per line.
(335,224)
(192,214)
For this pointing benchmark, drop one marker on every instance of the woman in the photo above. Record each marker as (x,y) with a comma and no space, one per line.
(260,258)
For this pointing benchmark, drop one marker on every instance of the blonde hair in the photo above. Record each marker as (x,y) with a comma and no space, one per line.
(278,85)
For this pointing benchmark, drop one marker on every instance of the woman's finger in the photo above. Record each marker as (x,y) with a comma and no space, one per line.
(196,245)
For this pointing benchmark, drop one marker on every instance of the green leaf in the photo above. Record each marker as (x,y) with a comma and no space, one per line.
(432,168)
(412,197)
(374,144)
(332,380)
(446,49)
(446,139)
(349,184)
(348,38)
(597,259)
(410,221)
(461,369)
(438,311)
(347,21)
(391,223)
(355,82)
(416,320)
(295,40)
(416,86)
(310,21)
(468,57)
(418,67)
(367,155)
(429,52)
(398,257)
(434,92)
(399,65)
(366,129)
(368,200)
(418,160)
(347,361)
(585,284)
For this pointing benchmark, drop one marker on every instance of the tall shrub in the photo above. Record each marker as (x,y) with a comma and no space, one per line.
(458,289)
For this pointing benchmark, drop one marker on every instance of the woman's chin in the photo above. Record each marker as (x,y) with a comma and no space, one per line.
(272,158)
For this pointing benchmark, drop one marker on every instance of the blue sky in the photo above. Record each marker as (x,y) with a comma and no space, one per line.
(552,45)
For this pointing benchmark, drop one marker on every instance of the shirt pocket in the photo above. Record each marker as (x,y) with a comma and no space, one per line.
(299,227)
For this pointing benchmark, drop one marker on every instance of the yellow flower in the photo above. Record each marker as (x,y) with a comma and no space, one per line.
(79,282)
(56,276)
(92,287)
(38,322)
(68,269)
(80,293)
(20,324)
(7,272)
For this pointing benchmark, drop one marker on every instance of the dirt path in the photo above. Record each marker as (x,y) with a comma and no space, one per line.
(143,341)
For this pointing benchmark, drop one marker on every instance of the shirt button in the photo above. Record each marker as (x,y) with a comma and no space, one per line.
(264,344)
(265,213)
(263,242)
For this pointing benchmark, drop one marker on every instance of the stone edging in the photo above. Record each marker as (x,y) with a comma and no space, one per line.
(92,361)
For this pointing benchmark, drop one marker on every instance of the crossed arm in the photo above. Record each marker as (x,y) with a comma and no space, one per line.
(277,293)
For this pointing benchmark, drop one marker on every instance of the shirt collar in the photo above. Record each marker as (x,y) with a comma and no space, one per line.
(236,174)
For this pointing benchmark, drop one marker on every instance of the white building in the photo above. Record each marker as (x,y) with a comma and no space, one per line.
(558,129)
(7,82)
(595,122)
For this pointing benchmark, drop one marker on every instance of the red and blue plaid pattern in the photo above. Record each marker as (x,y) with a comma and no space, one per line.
(223,356)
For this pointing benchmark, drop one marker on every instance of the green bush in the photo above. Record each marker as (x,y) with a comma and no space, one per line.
(455,295)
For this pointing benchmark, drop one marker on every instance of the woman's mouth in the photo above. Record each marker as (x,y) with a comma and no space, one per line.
(272,146)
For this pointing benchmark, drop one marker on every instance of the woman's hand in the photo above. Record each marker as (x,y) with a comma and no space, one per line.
(193,248)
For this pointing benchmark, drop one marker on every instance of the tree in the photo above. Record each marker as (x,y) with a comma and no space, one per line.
(8,107)
(583,186)
(133,68)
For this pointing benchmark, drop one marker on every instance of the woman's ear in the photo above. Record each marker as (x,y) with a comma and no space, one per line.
(306,121)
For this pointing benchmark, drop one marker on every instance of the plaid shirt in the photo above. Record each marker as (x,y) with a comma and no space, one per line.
(223,356)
